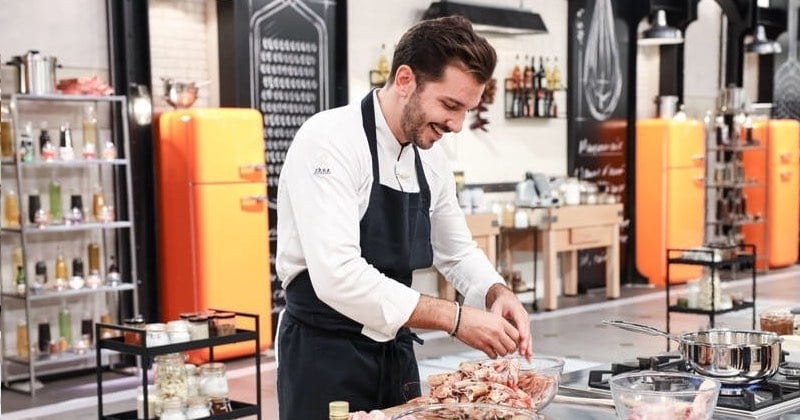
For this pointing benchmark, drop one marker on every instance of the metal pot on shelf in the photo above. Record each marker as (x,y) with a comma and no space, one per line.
(37,73)
(181,94)
(734,357)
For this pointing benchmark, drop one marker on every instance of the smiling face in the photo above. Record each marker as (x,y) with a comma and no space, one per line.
(435,108)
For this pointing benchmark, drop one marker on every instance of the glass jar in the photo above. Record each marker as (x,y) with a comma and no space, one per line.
(220,405)
(153,401)
(779,322)
(198,407)
(178,331)
(132,337)
(224,324)
(192,380)
(157,335)
(173,409)
(198,327)
(213,382)
(170,375)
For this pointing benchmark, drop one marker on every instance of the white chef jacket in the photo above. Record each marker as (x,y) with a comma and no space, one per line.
(323,193)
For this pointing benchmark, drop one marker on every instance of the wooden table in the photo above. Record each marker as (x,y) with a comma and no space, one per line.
(567,230)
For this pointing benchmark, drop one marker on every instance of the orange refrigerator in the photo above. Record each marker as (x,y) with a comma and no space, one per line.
(670,195)
(212,218)
(773,167)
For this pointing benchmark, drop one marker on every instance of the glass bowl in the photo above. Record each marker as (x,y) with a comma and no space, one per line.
(664,395)
(539,378)
(472,411)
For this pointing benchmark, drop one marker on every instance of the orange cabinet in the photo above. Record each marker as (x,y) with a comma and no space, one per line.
(670,195)
(776,196)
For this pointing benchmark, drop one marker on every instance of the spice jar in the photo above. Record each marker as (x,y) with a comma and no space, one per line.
(132,337)
(172,409)
(157,335)
(220,405)
(781,323)
(198,408)
(198,327)
(213,382)
(170,378)
(224,324)
(178,331)
(192,380)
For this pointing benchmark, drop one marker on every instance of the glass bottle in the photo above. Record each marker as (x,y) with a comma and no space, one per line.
(93,279)
(77,281)
(114,278)
(26,144)
(6,133)
(66,152)
(40,278)
(192,380)
(61,272)
(21,283)
(16,261)
(76,209)
(109,150)
(338,410)
(56,213)
(87,329)
(36,214)
(44,337)
(47,151)
(22,339)
(98,202)
(65,324)
(89,133)
(11,209)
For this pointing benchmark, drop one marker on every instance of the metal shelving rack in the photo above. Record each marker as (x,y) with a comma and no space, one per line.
(120,170)
(146,355)
(711,259)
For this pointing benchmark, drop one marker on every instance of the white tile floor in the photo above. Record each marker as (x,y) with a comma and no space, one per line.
(574,333)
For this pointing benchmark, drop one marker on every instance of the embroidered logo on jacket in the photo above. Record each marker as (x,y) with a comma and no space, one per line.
(321,166)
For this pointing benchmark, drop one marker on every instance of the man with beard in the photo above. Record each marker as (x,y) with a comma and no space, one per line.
(365,198)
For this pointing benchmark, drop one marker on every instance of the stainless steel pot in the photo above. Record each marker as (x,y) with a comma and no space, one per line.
(37,73)
(731,356)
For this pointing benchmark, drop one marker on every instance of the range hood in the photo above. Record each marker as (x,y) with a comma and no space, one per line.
(500,20)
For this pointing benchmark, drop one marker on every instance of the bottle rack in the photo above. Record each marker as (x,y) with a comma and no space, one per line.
(529,102)
(714,259)
(113,236)
(146,354)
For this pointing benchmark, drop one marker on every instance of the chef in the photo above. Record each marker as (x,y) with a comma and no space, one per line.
(364,198)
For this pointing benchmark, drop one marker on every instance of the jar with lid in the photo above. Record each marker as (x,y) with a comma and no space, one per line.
(153,402)
(173,409)
(220,405)
(178,331)
(157,335)
(192,380)
(170,376)
(133,337)
(224,324)
(198,407)
(213,382)
(198,327)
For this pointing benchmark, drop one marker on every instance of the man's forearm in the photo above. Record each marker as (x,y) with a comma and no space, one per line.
(433,314)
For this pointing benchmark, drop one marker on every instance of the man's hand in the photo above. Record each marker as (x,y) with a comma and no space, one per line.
(487,332)
(502,301)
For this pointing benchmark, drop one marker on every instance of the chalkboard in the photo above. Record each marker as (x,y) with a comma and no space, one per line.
(601,107)
(293,71)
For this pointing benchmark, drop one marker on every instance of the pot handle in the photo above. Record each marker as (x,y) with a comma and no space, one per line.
(639,328)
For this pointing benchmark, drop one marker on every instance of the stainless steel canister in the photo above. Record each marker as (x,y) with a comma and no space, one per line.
(667,106)
(39,73)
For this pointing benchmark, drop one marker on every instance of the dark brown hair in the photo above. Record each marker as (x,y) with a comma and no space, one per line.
(429,46)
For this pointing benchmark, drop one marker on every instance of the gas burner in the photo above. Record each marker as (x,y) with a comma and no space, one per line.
(790,370)
(732,390)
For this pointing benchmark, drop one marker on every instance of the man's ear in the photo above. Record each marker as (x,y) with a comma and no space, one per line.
(405,80)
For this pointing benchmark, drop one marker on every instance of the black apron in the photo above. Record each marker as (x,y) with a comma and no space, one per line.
(323,355)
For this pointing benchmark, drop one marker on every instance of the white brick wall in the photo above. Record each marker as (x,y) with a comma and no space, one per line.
(180,43)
